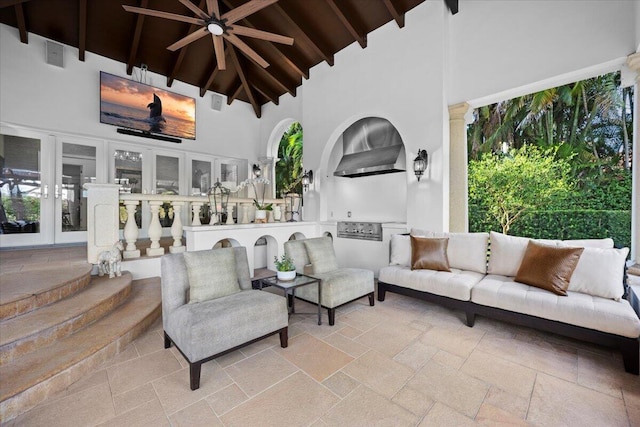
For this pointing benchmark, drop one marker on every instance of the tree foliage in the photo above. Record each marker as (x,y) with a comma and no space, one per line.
(525,179)
(289,165)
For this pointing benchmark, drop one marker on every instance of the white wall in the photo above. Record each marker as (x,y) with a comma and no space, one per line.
(497,45)
(66,100)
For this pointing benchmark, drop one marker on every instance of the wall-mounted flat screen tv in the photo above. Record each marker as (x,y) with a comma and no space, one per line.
(137,106)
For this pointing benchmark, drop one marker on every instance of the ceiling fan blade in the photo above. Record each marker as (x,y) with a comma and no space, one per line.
(165,15)
(245,10)
(262,35)
(213,9)
(190,38)
(195,9)
(232,38)
(218,46)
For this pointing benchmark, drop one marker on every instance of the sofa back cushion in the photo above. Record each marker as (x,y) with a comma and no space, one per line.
(466,251)
(589,243)
(212,274)
(548,267)
(321,254)
(429,253)
(600,272)
(507,252)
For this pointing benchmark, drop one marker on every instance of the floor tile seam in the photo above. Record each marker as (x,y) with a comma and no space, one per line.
(148,382)
(124,361)
(619,388)
(233,383)
(269,387)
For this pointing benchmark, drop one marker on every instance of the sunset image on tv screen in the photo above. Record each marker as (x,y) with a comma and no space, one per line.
(138,106)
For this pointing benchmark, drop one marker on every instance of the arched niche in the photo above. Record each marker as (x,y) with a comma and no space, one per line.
(327,234)
(226,243)
(264,249)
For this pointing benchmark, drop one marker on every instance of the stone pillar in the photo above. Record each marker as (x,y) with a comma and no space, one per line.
(633,62)
(458,183)
(155,229)
(176,229)
(103,218)
(195,210)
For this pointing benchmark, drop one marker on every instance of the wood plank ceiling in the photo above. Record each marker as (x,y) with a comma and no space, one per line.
(320,28)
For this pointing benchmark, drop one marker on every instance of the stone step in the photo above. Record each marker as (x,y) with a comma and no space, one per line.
(38,328)
(30,379)
(28,290)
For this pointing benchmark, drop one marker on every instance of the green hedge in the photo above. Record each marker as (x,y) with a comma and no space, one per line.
(561,224)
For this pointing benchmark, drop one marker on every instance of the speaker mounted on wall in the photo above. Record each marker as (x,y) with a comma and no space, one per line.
(55,53)
(216,102)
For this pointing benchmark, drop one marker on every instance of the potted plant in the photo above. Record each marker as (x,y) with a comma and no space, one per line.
(284,267)
(261,210)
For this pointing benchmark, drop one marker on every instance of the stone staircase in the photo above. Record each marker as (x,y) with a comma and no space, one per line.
(58,323)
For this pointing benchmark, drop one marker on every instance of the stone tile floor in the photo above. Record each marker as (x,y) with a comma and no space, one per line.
(402,362)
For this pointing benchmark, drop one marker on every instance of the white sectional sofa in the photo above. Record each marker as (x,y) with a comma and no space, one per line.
(598,307)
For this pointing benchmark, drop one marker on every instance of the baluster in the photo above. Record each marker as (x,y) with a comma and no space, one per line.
(245,212)
(230,215)
(131,230)
(195,209)
(155,229)
(283,212)
(176,229)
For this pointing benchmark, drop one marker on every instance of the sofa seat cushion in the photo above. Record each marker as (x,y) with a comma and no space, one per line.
(339,286)
(455,284)
(605,315)
(206,328)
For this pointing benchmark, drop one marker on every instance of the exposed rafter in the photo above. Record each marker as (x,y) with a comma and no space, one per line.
(212,77)
(22,25)
(7,3)
(328,57)
(452,5)
(135,42)
(245,83)
(82,28)
(236,92)
(355,33)
(265,92)
(399,18)
(183,52)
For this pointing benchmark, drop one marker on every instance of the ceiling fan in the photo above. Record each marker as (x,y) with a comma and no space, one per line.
(220,27)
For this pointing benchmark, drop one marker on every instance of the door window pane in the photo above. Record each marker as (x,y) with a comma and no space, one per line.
(167,175)
(128,167)
(200,177)
(78,168)
(20,185)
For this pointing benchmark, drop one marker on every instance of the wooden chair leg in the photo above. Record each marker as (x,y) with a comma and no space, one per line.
(332,316)
(194,375)
(284,337)
(167,341)
(372,300)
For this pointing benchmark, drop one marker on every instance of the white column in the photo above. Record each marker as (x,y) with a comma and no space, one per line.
(103,218)
(633,62)
(458,182)
(155,229)
(244,207)
(131,230)
(283,212)
(195,210)
(230,214)
(176,229)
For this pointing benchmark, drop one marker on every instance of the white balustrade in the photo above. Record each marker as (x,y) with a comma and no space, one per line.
(176,229)
(131,230)
(195,208)
(155,229)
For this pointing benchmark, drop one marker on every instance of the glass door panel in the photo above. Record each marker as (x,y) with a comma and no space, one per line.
(168,172)
(128,173)
(25,211)
(77,162)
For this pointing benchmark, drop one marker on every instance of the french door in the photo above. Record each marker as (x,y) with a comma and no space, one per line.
(41,178)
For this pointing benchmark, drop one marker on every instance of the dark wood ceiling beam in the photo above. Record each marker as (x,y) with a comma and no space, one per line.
(452,5)
(207,85)
(290,62)
(393,11)
(245,83)
(22,25)
(7,3)
(348,24)
(135,42)
(326,55)
(82,28)
(183,52)
(266,93)
(285,87)
(236,92)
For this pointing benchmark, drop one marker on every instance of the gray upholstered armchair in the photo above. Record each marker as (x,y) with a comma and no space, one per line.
(209,308)
(316,257)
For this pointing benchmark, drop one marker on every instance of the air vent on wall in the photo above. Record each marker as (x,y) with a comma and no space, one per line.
(55,53)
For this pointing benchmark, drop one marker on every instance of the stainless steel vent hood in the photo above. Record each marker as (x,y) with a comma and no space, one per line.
(371,146)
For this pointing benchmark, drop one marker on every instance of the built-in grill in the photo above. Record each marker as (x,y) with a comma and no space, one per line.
(360,230)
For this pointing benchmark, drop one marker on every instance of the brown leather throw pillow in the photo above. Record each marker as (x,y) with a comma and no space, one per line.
(429,254)
(548,267)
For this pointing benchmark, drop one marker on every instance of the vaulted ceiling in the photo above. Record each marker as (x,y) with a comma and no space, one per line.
(319,28)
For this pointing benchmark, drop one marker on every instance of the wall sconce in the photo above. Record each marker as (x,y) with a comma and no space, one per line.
(307,179)
(420,163)
(257,172)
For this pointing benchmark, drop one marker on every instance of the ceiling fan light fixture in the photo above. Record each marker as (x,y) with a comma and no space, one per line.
(216,28)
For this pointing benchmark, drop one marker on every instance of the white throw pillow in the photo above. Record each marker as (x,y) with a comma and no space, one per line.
(400,250)
(600,272)
(590,243)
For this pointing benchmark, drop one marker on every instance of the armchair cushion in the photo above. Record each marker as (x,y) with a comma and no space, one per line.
(212,274)
(339,286)
(321,254)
